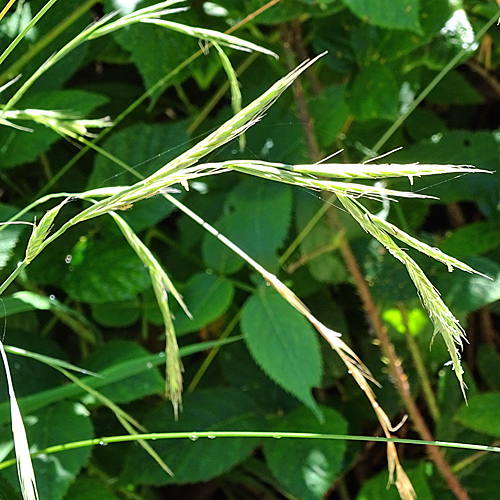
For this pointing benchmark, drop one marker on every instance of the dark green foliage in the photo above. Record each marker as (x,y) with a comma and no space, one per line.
(88,298)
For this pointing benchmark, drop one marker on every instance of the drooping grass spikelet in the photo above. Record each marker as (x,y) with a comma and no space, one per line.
(161,286)
(23,458)
(442,318)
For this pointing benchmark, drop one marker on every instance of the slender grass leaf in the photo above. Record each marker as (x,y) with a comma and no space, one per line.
(131,388)
(202,459)
(115,373)
(8,240)
(283,344)
(60,423)
(311,466)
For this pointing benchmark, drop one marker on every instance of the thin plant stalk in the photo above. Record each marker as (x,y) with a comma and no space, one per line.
(210,435)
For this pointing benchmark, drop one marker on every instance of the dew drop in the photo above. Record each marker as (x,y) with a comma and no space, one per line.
(211,436)
(52,297)
(149,366)
(102,443)
(276,436)
(193,437)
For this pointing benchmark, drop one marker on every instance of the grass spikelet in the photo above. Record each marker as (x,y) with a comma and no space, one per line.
(235,126)
(212,36)
(402,482)
(23,458)
(40,232)
(442,318)
(161,286)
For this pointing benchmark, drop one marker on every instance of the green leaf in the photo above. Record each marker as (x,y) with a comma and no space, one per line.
(107,274)
(283,344)
(86,488)
(463,91)
(311,465)
(157,51)
(474,239)
(488,361)
(459,148)
(22,147)
(202,459)
(292,9)
(258,224)
(128,389)
(116,314)
(468,292)
(393,14)
(248,377)
(207,297)
(373,93)
(60,423)
(376,487)
(329,114)
(481,414)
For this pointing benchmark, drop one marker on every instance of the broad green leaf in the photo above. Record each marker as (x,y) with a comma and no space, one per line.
(116,314)
(22,147)
(373,93)
(487,362)
(107,273)
(207,297)
(376,487)
(203,459)
(329,113)
(459,148)
(283,344)
(311,465)
(258,224)
(393,14)
(86,488)
(7,491)
(127,389)
(157,51)
(467,292)
(291,9)
(474,239)
(481,414)
(58,424)
(463,92)
(240,370)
